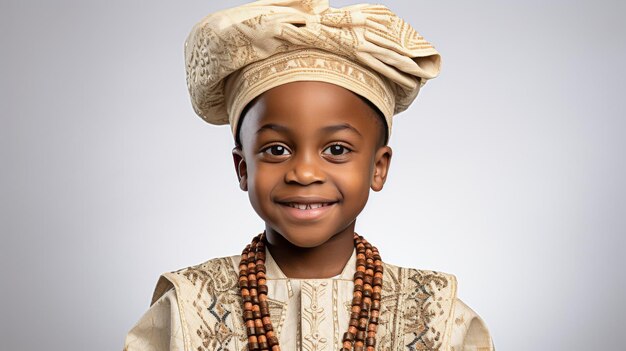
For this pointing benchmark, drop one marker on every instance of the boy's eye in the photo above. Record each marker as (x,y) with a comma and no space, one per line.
(276,150)
(336,150)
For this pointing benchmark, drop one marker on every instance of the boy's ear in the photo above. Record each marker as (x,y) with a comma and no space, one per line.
(241,168)
(382,162)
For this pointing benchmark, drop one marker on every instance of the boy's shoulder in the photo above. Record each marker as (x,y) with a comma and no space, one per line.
(218,274)
(411,278)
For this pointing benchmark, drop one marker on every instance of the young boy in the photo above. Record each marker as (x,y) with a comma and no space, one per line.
(309,92)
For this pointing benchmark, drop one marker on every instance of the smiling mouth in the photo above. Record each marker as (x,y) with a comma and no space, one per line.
(311,206)
(308,212)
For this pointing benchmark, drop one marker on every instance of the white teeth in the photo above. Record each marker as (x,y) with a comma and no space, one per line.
(307,206)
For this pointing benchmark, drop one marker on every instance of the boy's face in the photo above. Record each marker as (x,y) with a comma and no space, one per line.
(309,154)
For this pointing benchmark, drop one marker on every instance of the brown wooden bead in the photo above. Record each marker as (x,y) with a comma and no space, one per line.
(366,281)
(362,324)
(272,341)
(358,346)
(352,330)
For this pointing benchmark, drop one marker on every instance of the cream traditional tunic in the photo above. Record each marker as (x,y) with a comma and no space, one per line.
(199,309)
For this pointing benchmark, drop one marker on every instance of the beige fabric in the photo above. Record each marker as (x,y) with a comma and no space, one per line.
(419,311)
(160,327)
(234,55)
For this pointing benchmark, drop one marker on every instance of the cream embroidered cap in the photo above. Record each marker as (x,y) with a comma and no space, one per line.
(234,55)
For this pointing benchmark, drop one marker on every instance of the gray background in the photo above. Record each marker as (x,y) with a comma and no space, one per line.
(508,171)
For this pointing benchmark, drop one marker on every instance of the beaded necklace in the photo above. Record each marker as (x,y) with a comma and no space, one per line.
(368,281)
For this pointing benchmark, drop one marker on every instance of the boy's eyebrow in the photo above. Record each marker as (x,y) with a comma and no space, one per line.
(342,126)
(272,126)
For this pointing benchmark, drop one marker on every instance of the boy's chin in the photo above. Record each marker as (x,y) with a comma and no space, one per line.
(306,239)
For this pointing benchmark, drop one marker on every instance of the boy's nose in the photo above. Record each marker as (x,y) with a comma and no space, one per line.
(305,170)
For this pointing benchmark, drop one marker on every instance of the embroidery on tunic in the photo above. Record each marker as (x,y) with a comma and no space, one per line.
(215,302)
(336,331)
(313,315)
(422,306)
(413,313)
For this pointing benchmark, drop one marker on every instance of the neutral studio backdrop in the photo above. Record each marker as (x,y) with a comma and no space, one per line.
(508,171)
